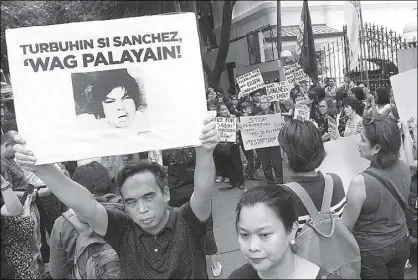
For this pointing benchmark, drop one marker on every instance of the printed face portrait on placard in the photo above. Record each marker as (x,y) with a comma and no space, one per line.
(113,97)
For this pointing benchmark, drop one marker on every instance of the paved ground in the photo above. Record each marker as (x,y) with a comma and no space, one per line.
(224,203)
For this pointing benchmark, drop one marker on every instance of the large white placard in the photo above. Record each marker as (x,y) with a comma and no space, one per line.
(278,91)
(343,159)
(294,73)
(100,88)
(250,82)
(404,87)
(227,129)
(261,131)
(302,112)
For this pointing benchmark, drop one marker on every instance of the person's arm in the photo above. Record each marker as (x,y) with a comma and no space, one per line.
(385,110)
(356,196)
(58,264)
(326,136)
(204,174)
(66,190)
(12,206)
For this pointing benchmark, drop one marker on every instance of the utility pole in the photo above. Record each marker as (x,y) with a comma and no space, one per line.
(279,28)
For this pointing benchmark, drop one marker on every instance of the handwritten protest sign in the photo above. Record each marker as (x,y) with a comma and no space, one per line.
(278,91)
(333,128)
(294,73)
(261,131)
(227,129)
(300,76)
(93,89)
(302,112)
(250,82)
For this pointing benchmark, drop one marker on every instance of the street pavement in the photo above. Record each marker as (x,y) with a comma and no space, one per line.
(229,254)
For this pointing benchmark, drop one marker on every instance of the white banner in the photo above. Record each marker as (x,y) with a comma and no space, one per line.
(302,112)
(404,87)
(260,131)
(250,82)
(352,17)
(278,91)
(99,88)
(227,129)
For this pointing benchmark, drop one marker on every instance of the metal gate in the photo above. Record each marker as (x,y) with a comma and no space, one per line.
(379,52)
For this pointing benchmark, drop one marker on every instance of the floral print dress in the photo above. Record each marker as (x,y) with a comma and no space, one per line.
(16,232)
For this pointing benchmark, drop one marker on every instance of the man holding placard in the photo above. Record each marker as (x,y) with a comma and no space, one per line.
(149,233)
(270,155)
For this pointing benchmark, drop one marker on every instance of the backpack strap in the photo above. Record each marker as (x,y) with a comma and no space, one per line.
(328,191)
(74,221)
(304,197)
(388,185)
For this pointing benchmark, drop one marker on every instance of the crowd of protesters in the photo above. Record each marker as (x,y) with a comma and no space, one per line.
(149,215)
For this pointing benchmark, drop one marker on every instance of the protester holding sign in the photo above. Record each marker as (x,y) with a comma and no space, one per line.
(228,155)
(377,201)
(322,119)
(145,197)
(255,102)
(287,108)
(271,156)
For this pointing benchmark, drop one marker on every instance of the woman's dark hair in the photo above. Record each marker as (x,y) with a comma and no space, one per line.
(320,92)
(341,94)
(302,142)
(384,132)
(143,166)
(106,81)
(94,177)
(212,102)
(355,104)
(278,198)
(383,95)
(359,93)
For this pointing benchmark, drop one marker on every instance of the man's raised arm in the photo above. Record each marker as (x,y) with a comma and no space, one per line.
(204,176)
(66,190)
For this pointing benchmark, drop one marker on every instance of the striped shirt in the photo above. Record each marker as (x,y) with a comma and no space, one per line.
(314,186)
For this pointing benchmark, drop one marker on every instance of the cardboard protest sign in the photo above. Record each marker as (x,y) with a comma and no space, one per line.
(260,131)
(302,112)
(343,159)
(295,74)
(250,82)
(404,87)
(227,129)
(300,76)
(278,91)
(289,69)
(93,89)
(333,128)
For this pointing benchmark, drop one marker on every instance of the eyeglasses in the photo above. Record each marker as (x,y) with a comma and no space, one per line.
(323,106)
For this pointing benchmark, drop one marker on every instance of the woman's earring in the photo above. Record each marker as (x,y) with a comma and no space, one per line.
(292,242)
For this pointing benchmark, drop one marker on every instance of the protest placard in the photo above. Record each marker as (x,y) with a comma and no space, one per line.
(300,100)
(227,129)
(343,158)
(302,112)
(333,128)
(250,82)
(295,74)
(404,87)
(278,91)
(289,69)
(300,76)
(93,89)
(260,131)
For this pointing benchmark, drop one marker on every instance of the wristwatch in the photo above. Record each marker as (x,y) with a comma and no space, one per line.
(6,187)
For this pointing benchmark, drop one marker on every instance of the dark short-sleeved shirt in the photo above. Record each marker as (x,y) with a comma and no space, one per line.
(248,272)
(14,174)
(286,107)
(177,252)
(315,187)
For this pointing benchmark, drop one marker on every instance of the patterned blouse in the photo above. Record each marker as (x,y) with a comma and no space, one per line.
(353,129)
(16,232)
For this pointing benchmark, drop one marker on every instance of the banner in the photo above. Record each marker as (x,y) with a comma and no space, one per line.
(278,91)
(343,158)
(352,17)
(333,128)
(302,112)
(114,87)
(260,131)
(227,129)
(404,87)
(250,82)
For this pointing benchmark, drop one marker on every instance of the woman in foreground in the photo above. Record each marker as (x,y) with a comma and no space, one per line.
(266,224)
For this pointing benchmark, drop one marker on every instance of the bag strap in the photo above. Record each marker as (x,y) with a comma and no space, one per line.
(389,187)
(304,197)
(74,221)
(328,191)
